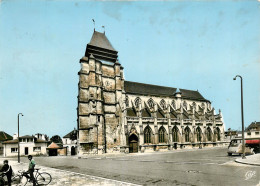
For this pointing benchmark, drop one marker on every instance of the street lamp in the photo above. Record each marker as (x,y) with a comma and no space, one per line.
(19,139)
(242,115)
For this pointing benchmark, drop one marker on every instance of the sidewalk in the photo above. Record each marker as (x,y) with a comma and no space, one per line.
(250,160)
(62,177)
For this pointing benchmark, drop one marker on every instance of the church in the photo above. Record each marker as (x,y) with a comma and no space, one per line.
(119,116)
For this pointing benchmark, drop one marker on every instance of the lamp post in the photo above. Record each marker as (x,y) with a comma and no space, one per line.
(19,139)
(242,115)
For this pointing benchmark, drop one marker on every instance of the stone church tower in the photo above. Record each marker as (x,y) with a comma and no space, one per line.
(100,88)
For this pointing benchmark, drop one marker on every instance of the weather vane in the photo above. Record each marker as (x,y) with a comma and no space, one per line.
(93,23)
(103,28)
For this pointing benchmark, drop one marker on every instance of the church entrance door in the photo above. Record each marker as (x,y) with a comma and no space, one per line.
(133,144)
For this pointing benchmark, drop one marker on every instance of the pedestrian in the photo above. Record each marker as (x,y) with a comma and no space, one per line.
(31,169)
(7,170)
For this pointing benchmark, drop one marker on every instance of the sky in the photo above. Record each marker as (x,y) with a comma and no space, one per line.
(195,45)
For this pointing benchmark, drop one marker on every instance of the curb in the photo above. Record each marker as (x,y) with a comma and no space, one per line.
(246,163)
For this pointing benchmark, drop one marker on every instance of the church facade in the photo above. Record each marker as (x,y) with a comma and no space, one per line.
(115,115)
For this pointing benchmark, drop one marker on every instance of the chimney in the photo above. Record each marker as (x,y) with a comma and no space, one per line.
(15,136)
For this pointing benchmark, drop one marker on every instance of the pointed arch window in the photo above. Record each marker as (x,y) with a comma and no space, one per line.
(127,101)
(209,134)
(203,105)
(173,104)
(218,134)
(187,134)
(199,134)
(194,105)
(163,104)
(162,135)
(150,103)
(137,102)
(175,137)
(147,134)
(185,105)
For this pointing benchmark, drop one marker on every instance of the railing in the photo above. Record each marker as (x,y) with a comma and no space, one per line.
(132,118)
(147,119)
(162,120)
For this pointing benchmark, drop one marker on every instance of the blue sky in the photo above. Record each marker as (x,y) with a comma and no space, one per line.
(197,45)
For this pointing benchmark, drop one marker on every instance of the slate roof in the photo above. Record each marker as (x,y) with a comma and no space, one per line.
(191,94)
(27,136)
(69,134)
(148,89)
(101,49)
(130,112)
(253,125)
(100,40)
(4,136)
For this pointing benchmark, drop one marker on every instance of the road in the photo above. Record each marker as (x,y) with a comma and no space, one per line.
(189,167)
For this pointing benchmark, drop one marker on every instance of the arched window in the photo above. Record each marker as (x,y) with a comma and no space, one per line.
(163,104)
(185,105)
(162,135)
(147,134)
(218,134)
(187,134)
(150,103)
(203,105)
(137,102)
(209,134)
(194,105)
(127,101)
(174,104)
(199,134)
(175,132)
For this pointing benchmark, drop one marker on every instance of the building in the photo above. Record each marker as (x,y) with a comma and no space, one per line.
(29,145)
(253,130)
(3,137)
(115,115)
(69,143)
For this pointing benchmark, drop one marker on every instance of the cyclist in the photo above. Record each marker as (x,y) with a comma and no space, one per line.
(7,170)
(31,169)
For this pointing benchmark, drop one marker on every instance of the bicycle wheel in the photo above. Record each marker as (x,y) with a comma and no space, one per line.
(19,180)
(2,181)
(43,178)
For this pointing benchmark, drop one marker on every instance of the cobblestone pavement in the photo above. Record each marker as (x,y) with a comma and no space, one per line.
(63,177)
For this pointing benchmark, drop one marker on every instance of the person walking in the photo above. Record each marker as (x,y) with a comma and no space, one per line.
(7,170)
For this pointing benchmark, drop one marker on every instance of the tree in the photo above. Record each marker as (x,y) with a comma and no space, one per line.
(56,139)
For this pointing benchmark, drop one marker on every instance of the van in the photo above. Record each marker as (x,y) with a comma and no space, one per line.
(235,147)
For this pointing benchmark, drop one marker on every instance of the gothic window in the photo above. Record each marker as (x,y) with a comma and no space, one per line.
(137,102)
(209,134)
(147,134)
(199,136)
(187,134)
(194,105)
(127,101)
(175,132)
(163,104)
(162,135)
(173,104)
(218,134)
(185,105)
(151,103)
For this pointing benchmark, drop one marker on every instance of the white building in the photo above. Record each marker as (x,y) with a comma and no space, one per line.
(70,145)
(29,145)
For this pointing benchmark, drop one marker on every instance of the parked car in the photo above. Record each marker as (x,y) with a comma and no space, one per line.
(235,147)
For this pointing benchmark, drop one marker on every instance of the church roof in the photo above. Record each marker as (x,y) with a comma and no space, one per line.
(100,40)
(191,94)
(147,89)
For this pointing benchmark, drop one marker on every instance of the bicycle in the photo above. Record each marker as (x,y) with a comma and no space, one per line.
(22,178)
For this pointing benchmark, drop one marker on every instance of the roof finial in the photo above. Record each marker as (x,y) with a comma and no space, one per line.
(94,24)
(104,29)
